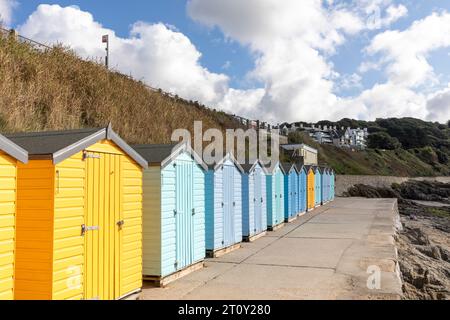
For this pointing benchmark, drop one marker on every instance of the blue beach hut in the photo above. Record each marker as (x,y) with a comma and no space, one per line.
(275,197)
(302,184)
(174,211)
(254,201)
(223,203)
(291,192)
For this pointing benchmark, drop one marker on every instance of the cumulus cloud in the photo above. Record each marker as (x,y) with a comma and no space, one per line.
(405,52)
(438,105)
(293,42)
(404,57)
(155,53)
(6,11)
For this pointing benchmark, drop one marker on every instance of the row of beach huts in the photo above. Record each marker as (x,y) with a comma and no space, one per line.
(83,215)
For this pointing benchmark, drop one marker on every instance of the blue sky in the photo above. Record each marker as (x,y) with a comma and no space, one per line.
(120,15)
(308,67)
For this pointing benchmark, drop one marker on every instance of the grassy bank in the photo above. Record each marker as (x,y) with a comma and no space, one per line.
(57,90)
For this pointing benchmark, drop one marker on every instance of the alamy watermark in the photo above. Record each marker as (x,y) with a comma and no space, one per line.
(246,146)
(374,280)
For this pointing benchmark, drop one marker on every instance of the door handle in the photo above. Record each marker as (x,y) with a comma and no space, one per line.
(120,223)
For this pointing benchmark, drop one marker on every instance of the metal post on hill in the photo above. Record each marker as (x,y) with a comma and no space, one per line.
(105,39)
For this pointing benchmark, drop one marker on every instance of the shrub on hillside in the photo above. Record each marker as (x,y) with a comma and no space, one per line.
(382,140)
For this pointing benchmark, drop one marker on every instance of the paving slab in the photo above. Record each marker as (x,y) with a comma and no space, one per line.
(331,231)
(333,252)
(319,253)
(279,283)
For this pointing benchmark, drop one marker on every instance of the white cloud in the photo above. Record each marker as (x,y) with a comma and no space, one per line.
(438,105)
(403,55)
(291,40)
(405,52)
(384,101)
(155,53)
(243,102)
(6,11)
(350,81)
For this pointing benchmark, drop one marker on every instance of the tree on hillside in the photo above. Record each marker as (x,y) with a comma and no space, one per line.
(382,140)
(410,132)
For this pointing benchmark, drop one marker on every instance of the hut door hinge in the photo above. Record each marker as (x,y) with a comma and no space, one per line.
(175,212)
(85,229)
(193,211)
(88,155)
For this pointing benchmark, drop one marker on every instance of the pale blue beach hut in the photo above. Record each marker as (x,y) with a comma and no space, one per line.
(303,189)
(318,186)
(254,201)
(275,196)
(291,192)
(223,203)
(174,211)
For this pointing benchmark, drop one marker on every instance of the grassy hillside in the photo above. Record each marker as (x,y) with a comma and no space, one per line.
(57,90)
(399,162)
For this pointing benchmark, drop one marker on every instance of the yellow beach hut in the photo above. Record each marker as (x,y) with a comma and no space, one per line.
(10,156)
(311,185)
(79,216)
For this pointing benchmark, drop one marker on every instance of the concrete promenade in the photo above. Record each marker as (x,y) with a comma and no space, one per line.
(329,253)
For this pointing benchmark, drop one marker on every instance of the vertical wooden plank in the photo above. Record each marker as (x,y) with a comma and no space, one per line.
(101,224)
(95,233)
(111,228)
(119,192)
(88,222)
(106,227)
(117,210)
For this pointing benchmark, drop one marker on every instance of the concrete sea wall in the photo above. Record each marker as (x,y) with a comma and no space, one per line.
(344,182)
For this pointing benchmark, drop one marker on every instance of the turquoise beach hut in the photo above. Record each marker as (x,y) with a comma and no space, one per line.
(325,185)
(275,196)
(254,201)
(223,203)
(318,186)
(332,184)
(174,211)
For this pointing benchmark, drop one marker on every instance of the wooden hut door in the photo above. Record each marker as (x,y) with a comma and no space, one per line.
(311,189)
(279,187)
(258,201)
(103,224)
(228,206)
(293,193)
(185,212)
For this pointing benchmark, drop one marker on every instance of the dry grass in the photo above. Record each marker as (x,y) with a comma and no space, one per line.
(56,90)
